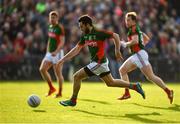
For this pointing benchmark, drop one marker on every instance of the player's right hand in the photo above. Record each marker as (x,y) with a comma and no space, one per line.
(118,55)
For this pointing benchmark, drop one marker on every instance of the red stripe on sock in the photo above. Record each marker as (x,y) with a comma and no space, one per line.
(127,91)
(134,87)
(74,100)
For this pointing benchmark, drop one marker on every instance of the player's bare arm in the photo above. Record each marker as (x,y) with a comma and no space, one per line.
(71,54)
(145,37)
(117,46)
(133,41)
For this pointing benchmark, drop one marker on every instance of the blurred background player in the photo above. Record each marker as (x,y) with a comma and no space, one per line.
(139,57)
(54,53)
(95,40)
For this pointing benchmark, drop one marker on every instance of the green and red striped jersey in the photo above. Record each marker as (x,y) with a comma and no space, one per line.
(95,41)
(135,30)
(54,34)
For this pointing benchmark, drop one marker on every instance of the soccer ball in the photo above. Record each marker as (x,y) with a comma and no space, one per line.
(34,101)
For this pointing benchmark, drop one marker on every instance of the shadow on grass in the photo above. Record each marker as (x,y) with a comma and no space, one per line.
(95,101)
(39,110)
(174,107)
(135,117)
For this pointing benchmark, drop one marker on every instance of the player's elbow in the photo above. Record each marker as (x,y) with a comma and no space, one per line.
(42,70)
(115,35)
(146,37)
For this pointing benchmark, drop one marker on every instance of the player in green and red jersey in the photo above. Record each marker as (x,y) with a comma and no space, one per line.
(139,57)
(95,40)
(54,53)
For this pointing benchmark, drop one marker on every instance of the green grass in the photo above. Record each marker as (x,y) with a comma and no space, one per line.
(96,104)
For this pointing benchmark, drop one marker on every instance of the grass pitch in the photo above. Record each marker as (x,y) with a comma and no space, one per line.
(96,104)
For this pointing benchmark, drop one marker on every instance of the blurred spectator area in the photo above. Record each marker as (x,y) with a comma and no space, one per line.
(24,23)
(28,69)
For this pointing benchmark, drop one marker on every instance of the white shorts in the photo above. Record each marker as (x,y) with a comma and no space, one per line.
(97,69)
(140,59)
(53,59)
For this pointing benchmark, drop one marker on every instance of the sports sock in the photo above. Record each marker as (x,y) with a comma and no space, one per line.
(133,86)
(127,91)
(50,85)
(167,90)
(60,91)
(74,98)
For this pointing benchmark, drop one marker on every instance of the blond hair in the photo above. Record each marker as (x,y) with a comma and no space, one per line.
(54,13)
(131,13)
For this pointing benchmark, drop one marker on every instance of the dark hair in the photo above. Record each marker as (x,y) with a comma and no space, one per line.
(133,17)
(85,19)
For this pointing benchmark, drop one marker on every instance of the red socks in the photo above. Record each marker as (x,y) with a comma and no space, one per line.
(133,86)
(127,91)
(73,100)
(167,90)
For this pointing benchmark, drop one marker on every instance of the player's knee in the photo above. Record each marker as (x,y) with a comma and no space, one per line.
(59,77)
(76,76)
(122,71)
(149,77)
(58,72)
(41,69)
(109,83)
